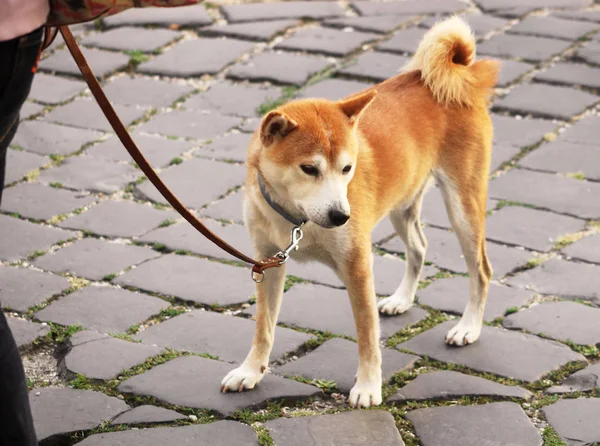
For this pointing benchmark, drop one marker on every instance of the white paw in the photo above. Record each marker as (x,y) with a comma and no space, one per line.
(240,379)
(366,394)
(393,305)
(463,333)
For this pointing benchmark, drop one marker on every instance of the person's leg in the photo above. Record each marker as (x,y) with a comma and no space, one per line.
(17,61)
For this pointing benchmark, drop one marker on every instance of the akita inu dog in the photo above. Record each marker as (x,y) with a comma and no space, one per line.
(343,166)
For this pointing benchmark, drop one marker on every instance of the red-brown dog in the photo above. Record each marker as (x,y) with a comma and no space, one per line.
(343,166)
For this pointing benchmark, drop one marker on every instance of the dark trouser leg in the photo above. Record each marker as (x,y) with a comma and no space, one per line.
(17,58)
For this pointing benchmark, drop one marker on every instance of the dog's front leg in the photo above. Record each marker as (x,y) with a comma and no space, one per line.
(268,302)
(357,273)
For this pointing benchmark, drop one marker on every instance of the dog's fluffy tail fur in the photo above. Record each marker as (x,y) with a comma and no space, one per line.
(446,57)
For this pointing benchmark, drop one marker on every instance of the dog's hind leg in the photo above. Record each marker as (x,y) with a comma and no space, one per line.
(268,302)
(357,273)
(408,226)
(466,204)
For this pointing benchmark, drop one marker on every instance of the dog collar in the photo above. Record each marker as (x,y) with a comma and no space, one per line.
(293,220)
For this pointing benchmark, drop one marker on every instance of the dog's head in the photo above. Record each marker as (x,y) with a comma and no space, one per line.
(309,153)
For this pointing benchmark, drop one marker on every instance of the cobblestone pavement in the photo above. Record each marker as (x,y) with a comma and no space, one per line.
(128,318)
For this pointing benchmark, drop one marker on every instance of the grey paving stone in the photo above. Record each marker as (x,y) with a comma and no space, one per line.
(190,124)
(408,7)
(433,211)
(228,98)
(132,39)
(230,208)
(314,272)
(565,157)
(250,31)
(30,109)
(333,89)
(24,287)
(381,25)
(130,90)
(105,357)
(85,113)
(491,424)
(39,202)
(502,153)
(20,163)
(444,251)
(584,131)
(587,249)
(53,89)
(148,415)
(197,182)
(45,138)
(192,279)
(119,219)
(337,360)
(158,151)
(590,15)
(589,53)
(232,147)
(389,269)
(446,384)
(249,125)
(327,309)
(348,428)
(560,194)
(171,382)
(533,49)
(289,10)
(451,295)
(326,40)
(382,231)
(221,433)
(404,41)
(184,236)
(547,100)
(539,230)
(481,24)
(227,337)
(374,66)
(566,279)
(94,259)
(26,238)
(499,5)
(520,132)
(185,16)
(282,68)
(571,74)
(553,27)
(107,310)
(58,412)
(103,63)
(511,70)
(555,320)
(26,332)
(196,57)
(88,173)
(581,381)
(575,421)
(501,352)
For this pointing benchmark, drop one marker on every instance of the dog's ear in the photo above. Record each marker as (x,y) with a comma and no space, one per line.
(353,107)
(275,125)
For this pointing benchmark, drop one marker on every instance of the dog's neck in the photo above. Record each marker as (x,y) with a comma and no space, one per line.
(276,207)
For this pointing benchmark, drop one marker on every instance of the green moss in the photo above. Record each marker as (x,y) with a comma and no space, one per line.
(434,318)
(159,247)
(291,281)
(167,222)
(288,94)
(58,334)
(35,255)
(136,57)
(551,438)
(504,203)
(109,277)
(175,161)
(511,310)
(576,175)
(264,437)
(56,185)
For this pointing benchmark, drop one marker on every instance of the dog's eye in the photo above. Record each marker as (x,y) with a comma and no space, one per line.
(347,169)
(309,170)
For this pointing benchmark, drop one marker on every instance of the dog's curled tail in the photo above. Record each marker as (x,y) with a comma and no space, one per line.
(446,57)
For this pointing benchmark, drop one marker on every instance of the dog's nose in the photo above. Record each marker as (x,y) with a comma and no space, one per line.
(337,218)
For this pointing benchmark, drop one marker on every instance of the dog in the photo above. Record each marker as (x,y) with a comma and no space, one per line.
(343,166)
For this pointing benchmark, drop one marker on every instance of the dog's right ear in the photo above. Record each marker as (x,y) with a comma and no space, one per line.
(275,126)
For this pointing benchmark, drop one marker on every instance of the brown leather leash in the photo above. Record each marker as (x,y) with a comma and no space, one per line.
(259,266)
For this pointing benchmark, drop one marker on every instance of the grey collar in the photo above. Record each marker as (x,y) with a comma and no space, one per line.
(293,220)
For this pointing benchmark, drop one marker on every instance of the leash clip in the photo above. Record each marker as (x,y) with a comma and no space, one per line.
(284,254)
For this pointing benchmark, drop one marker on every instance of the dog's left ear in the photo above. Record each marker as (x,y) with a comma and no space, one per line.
(275,126)
(354,107)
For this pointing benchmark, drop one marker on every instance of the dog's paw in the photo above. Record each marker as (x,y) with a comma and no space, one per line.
(240,379)
(392,305)
(365,395)
(463,334)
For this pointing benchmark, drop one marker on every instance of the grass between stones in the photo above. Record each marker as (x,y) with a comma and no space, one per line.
(288,94)
(435,317)
(551,438)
